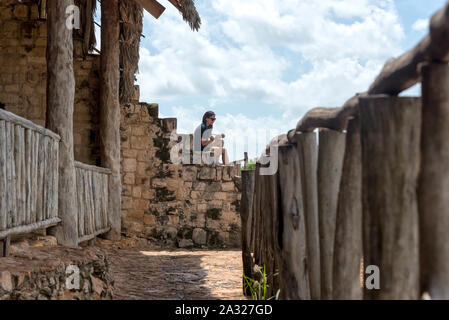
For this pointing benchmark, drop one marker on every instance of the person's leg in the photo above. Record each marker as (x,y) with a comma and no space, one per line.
(217,152)
(224,156)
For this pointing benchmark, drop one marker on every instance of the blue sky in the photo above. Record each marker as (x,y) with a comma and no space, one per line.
(261,64)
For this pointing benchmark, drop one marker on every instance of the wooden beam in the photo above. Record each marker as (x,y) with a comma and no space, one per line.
(60,102)
(110,110)
(390,131)
(433,186)
(153,7)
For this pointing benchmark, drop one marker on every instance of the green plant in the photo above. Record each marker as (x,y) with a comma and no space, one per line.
(258,288)
(251,164)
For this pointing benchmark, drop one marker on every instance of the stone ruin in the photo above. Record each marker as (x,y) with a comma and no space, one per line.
(174,205)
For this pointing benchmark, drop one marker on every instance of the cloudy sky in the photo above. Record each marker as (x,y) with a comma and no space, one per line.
(261,64)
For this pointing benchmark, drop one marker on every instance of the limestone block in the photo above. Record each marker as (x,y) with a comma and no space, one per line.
(134,227)
(142,168)
(129,153)
(135,213)
(207,173)
(142,204)
(226,206)
(127,203)
(173,184)
(202,207)
(143,155)
(196,195)
(227,186)
(198,220)
(158,183)
(199,186)
(5,281)
(129,178)
(127,190)
(97,285)
(221,195)
(219,176)
(129,165)
(171,232)
(215,204)
(189,173)
(173,220)
(199,236)
(140,143)
(212,224)
(137,192)
(185,243)
(139,131)
(148,194)
(227,173)
(149,219)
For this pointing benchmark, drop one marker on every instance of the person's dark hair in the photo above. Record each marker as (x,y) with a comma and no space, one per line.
(208,114)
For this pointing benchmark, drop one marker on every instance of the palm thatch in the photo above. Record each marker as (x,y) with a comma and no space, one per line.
(189,12)
(86,33)
(131,14)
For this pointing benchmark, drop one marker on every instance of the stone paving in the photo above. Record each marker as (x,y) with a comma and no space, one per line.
(148,274)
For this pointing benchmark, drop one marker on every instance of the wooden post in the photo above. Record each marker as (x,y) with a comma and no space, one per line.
(433,189)
(331,151)
(4,246)
(308,154)
(245,209)
(60,101)
(390,137)
(245,160)
(294,265)
(110,110)
(348,248)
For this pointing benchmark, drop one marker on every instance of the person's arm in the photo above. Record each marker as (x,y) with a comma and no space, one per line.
(207,142)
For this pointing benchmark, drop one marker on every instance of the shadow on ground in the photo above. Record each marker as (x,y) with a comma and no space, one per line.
(176,275)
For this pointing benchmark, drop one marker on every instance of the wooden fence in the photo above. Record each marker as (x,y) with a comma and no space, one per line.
(372,193)
(28,176)
(92,200)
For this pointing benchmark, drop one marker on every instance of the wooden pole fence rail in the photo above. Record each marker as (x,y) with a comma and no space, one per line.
(29,184)
(362,212)
(28,176)
(92,198)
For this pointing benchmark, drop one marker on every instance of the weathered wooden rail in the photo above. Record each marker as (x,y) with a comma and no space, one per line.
(28,176)
(374,191)
(92,198)
(29,181)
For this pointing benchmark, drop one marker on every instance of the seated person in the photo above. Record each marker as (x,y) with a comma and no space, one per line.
(203,140)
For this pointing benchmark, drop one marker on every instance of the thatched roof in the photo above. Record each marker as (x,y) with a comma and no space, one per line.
(189,13)
(131,14)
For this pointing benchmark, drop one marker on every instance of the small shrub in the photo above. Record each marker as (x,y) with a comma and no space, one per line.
(258,288)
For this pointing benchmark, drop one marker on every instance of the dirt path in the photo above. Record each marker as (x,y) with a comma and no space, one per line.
(176,275)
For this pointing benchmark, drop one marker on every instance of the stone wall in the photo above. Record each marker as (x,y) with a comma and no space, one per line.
(39,273)
(174,204)
(183,205)
(23,76)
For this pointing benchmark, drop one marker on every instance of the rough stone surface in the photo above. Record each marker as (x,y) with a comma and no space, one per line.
(40,273)
(171,203)
(199,236)
(161,201)
(149,274)
(23,76)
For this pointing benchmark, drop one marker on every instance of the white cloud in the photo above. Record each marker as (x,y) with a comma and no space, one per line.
(421,25)
(245,49)
(242,132)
